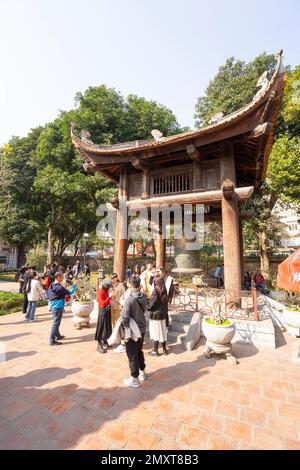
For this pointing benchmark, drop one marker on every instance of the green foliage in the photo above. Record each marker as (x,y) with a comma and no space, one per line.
(45,193)
(11,302)
(290,115)
(36,257)
(110,118)
(284,169)
(262,220)
(233,87)
(18,223)
(85,291)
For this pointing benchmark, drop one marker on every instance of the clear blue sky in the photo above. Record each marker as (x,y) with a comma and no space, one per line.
(166,50)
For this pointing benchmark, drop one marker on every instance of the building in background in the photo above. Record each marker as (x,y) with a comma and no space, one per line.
(291,220)
(8,256)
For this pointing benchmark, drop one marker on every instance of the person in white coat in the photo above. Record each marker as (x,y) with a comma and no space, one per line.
(35,292)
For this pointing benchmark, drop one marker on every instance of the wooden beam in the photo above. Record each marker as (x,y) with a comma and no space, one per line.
(203,197)
(140,164)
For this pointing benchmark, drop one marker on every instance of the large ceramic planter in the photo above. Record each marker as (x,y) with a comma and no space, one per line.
(81,313)
(292,320)
(218,338)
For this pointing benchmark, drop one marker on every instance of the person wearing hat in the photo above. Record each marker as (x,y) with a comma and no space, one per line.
(104,327)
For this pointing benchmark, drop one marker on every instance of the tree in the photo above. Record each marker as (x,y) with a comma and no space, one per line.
(263,231)
(233,87)
(110,118)
(46,196)
(18,206)
(283,177)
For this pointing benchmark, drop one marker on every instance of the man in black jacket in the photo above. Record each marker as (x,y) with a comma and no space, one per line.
(134,307)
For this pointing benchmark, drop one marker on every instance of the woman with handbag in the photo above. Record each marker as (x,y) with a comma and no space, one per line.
(104,328)
(158,316)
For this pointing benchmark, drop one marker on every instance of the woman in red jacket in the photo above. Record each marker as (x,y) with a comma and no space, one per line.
(104,329)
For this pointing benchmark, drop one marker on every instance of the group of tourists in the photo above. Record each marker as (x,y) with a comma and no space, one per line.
(257,280)
(122,316)
(56,285)
(122,309)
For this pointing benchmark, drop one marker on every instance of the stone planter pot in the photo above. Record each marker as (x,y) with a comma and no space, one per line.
(81,313)
(292,320)
(218,339)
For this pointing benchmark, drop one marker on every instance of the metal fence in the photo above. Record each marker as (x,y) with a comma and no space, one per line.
(208,299)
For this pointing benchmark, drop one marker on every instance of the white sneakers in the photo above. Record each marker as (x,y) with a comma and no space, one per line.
(136,382)
(132,382)
(120,349)
(143,376)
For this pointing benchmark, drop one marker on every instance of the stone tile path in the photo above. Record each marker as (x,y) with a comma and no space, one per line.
(70,397)
(9,286)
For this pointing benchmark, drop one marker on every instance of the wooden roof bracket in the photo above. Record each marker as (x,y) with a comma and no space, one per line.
(193,153)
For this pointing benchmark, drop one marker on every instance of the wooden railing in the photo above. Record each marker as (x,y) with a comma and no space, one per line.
(171,184)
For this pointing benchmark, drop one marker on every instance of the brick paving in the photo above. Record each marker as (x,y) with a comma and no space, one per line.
(70,397)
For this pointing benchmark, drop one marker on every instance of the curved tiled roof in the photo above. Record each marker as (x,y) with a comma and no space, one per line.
(230,119)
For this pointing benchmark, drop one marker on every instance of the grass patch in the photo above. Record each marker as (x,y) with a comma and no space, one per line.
(212,322)
(8,277)
(11,303)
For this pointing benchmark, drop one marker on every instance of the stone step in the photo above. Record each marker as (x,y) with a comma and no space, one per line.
(176,337)
(178,326)
(183,317)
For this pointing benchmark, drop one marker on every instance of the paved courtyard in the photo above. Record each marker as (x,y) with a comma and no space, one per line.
(70,397)
(9,286)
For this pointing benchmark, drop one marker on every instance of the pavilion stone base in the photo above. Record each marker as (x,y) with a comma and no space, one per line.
(259,334)
(276,312)
(194,332)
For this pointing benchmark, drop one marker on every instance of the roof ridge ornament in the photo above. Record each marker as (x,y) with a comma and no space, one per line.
(157,135)
(85,137)
(263,83)
(216,118)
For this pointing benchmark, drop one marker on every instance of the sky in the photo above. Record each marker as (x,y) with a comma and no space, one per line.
(165,50)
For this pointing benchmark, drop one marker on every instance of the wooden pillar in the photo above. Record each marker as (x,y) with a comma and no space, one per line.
(197,175)
(231,244)
(231,227)
(146,184)
(121,239)
(160,248)
(242,253)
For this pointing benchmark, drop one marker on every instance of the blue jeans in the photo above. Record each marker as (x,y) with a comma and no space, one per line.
(31,308)
(57,316)
(260,286)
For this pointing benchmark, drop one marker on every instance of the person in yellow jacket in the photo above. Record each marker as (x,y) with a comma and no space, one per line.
(147,280)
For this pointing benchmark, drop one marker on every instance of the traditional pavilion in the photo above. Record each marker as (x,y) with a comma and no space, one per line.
(220,165)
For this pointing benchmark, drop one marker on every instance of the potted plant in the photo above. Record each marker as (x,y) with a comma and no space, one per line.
(219,332)
(82,304)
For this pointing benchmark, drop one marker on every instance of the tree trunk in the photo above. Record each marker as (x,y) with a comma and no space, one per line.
(264,257)
(50,250)
(21,256)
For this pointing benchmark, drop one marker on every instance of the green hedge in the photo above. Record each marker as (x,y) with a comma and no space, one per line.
(11,302)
